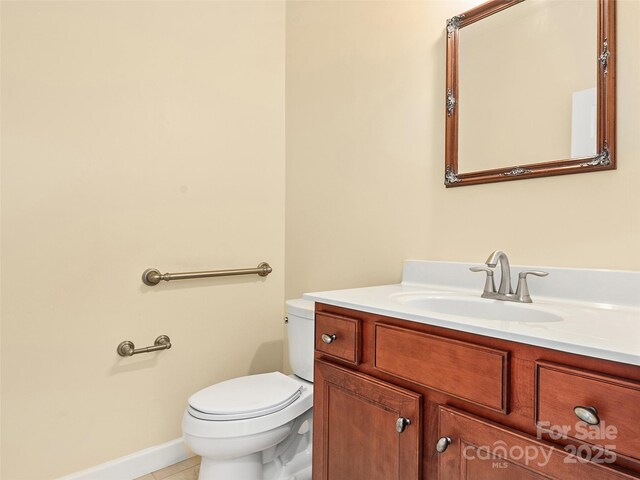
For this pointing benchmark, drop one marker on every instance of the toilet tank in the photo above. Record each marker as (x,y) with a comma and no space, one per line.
(301,334)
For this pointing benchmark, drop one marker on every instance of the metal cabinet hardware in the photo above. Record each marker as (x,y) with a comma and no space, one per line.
(402,423)
(328,337)
(127,348)
(442,444)
(587,414)
(152,276)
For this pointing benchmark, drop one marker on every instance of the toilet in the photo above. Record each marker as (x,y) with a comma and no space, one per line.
(259,427)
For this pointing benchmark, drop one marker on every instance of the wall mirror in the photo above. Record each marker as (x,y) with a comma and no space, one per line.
(530,90)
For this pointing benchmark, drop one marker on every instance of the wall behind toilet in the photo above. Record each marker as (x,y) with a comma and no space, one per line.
(365,85)
(134,135)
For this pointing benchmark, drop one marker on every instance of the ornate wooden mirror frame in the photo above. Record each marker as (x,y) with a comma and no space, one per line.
(606,104)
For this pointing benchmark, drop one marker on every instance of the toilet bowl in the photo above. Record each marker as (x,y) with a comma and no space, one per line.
(258,427)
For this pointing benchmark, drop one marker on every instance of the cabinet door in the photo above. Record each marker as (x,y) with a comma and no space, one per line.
(481,450)
(356,422)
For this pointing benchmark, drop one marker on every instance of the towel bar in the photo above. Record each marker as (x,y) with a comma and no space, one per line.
(152,276)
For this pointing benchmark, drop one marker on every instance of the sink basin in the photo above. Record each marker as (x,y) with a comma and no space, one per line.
(478,308)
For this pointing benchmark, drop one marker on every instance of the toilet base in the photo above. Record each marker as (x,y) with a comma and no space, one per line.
(290,459)
(248,467)
(251,468)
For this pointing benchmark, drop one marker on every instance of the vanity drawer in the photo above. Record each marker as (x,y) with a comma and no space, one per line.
(465,370)
(559,389)
(339,337)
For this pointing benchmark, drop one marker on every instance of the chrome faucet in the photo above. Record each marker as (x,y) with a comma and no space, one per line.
(505,271)
(505,291)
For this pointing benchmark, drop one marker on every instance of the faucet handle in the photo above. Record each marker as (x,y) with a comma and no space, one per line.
(522,292)
(537,273)
(489,284)
(481,269)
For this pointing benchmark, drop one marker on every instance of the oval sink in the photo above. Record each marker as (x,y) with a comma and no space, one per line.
(479,308)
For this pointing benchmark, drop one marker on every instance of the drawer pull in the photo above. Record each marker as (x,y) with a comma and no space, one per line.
(442,444)
(401,424)
(328,337)
(587,414)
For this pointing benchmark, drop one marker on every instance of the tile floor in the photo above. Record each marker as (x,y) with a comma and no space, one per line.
(186,470)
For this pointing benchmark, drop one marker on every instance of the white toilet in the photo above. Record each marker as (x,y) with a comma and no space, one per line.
(259,427)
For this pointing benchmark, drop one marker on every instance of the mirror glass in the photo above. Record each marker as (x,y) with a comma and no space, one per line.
(527,85)
(530,90)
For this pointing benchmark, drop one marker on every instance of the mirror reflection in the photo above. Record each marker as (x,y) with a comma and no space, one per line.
(527,85)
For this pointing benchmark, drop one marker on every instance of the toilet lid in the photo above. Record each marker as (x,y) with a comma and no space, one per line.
(245,397)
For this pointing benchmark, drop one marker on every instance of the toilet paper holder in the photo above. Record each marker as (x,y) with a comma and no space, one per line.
(127,348)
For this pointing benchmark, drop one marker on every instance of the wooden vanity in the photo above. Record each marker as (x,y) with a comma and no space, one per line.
(388,391)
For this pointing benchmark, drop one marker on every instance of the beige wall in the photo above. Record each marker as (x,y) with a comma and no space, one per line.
(365,153)
(135,135)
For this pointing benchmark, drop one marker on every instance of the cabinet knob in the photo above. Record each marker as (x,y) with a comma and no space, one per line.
(401,424)
(587,414)
(328,337)
(442,444)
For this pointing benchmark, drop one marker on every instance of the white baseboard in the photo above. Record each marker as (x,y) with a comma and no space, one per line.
(137,464)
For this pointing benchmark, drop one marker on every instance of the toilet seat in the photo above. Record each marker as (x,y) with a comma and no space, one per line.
(198,427)
(245,397)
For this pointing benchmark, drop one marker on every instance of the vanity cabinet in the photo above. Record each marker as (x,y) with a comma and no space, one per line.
(395,399)
(359,420)
(617,403)
(482,450)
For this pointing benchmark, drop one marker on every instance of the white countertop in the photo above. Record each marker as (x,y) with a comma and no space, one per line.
(607,327)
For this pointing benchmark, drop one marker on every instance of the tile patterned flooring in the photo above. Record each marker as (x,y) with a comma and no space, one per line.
(186,470)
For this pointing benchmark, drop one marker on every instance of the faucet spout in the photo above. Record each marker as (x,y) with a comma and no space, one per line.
(505,270)
(505,292)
